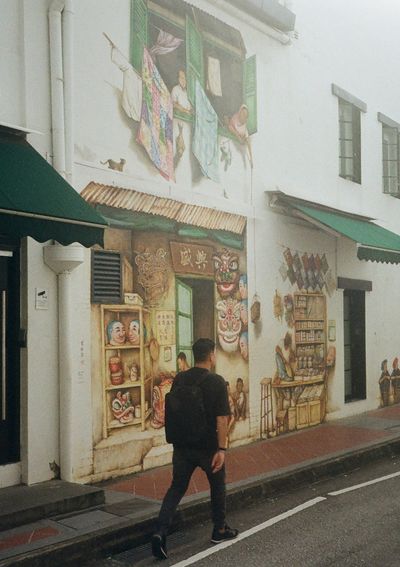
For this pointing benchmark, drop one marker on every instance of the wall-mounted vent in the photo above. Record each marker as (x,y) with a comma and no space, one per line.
(106,277)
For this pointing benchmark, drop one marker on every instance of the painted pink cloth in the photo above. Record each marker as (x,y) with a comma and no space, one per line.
(166,42)
(155,130)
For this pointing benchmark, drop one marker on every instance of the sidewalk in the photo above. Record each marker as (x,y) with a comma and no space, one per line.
(253,472)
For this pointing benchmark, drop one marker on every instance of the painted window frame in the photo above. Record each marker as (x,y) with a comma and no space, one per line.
(187,348)
(194,69)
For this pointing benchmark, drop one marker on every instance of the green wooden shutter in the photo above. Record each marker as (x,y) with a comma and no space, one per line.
(194,58)
(250,92)
(139,32)
(184,319)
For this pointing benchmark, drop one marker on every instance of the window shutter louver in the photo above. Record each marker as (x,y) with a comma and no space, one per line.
(194,58)
(139,32)
(106,277)
(250,92)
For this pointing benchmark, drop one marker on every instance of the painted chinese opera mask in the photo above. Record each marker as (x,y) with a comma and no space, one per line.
(134,332)
(116,333)
(229,324)
(226,270)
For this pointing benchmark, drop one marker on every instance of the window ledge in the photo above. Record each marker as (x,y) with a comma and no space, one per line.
(270,12)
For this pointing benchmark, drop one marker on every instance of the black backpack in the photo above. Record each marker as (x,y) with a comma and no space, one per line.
(186,422)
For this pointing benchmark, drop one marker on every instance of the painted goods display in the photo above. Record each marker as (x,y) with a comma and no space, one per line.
(299,384)
(127,369)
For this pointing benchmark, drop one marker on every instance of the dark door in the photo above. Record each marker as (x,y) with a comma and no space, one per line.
(354,345)
(9,356)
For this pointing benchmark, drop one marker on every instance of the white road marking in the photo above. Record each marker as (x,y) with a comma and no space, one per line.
(248,533)
(357,486)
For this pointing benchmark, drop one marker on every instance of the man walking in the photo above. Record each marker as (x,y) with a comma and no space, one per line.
(194,447)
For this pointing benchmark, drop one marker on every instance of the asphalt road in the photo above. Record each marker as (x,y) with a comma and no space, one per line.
(303,528)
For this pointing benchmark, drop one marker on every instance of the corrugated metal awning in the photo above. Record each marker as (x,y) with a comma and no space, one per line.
(135,201)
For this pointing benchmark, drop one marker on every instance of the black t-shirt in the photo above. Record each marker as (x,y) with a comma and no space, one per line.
(215,396)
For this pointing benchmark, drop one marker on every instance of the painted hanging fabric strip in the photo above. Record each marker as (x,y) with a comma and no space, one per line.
(166,43)
(205,138)
(155,129)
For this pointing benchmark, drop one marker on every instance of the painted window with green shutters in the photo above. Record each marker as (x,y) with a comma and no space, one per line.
(184,320)
(139,32)
(250,92)
(204,38)
(194,58)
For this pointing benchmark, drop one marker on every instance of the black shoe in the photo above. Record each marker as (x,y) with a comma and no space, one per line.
(228,533)
(158,546)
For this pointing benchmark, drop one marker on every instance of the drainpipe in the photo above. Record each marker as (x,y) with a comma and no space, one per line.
(57,85)
(68,62)
(61,32)
(63,260)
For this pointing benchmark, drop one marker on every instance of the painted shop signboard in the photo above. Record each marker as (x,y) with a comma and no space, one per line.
(192,258)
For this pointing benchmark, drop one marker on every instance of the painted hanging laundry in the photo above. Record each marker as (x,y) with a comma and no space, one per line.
(156,122)
(205,138)
(131,98)
(166,42)
(214,76)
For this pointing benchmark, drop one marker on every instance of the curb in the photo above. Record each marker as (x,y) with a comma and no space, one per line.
(111,540)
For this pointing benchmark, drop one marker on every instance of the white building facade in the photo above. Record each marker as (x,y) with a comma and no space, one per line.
(245,156)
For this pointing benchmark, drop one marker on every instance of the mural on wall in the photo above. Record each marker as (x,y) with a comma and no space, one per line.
(176,290)
(187,66)
(153,274)
(296,395)
(389,383)
(309,272)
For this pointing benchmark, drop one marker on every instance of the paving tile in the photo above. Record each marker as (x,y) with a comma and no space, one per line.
(131,506)
(32,536)
(29,536)
(90,521)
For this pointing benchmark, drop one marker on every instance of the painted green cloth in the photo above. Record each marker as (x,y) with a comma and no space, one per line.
(205,136)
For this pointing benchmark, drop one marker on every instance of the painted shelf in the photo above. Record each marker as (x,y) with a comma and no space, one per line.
(134,393)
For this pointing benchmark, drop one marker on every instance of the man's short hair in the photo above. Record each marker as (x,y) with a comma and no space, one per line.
(182,356)
(202,349)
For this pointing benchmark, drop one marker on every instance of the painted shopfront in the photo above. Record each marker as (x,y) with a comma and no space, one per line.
(174,291)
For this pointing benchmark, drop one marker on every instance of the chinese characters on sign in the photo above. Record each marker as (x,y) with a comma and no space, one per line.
(192,258)
(165,327)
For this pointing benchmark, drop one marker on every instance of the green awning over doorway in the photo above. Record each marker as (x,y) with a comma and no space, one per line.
(36,201)
(373,242)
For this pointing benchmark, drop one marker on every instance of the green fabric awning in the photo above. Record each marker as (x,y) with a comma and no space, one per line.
(36,201)
(373,242)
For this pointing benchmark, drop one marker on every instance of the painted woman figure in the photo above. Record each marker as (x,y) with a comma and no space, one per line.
(396,380)
(384,383)
(285,359)
(182,362)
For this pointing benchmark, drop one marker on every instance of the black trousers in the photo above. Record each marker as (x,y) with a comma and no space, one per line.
(184,462)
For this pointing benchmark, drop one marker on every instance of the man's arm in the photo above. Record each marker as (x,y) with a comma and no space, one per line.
(222,432)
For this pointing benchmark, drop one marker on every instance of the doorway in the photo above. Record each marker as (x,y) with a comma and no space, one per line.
(354,345)
(9,355)
(194,313)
